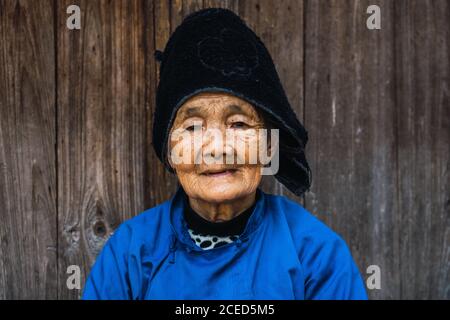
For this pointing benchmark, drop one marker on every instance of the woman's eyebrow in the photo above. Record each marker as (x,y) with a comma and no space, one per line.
(190,112)
(237,109)
(234,108)
(195,111)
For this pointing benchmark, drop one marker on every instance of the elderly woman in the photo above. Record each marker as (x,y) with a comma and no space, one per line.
(220,236)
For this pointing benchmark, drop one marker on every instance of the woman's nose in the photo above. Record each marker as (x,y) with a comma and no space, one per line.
(214,146)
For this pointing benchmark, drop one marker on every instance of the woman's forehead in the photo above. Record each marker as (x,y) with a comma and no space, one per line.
(208,98)
(206,102)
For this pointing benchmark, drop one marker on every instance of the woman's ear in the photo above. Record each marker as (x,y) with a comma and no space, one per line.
(169,161)
(169,154)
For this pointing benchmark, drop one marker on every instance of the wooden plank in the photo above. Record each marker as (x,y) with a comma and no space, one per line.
(181,8)
(160,183)
(103,112)
(423,97)
(227,4)
(350,114)
(28,237)
(280,27)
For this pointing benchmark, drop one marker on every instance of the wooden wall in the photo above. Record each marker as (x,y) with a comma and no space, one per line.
(75,130)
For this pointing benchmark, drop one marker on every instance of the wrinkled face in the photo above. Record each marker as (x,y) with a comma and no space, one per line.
(212,147)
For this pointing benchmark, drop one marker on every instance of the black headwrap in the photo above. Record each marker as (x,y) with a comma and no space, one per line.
(213,50)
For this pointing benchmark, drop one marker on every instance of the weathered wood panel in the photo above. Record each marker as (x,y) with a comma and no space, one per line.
(228,4)
(350,112)
(422,35)
(27,151)
(182,8)
(103,116)
(160,184)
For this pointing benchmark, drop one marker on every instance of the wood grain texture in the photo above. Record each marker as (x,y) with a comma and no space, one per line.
(350,112)
(27,151)
(227,4)
(161,183)
(102,126)
(423,119)
(181,8)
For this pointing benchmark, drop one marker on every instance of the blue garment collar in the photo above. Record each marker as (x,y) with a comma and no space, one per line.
(180,228)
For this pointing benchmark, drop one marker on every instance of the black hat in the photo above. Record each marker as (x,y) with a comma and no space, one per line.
(213,50)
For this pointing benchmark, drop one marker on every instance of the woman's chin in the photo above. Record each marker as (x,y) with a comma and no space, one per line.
(222,192)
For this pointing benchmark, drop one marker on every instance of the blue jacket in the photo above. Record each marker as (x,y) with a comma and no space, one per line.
(283,253)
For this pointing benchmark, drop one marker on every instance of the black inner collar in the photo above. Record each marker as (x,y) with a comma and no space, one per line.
(234,226)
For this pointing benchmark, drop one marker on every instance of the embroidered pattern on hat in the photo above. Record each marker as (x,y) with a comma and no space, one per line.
(231,54)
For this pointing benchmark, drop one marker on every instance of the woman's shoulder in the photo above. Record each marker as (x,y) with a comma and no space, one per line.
(303,225)
(312,237)
(150,216)
(145,226)
(327,263)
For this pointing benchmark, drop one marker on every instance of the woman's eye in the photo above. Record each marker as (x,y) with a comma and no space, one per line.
(239,125)
(194,127)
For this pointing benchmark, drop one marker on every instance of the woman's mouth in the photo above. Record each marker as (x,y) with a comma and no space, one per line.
(223,173)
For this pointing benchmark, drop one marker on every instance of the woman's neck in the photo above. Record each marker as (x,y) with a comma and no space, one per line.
(219,212)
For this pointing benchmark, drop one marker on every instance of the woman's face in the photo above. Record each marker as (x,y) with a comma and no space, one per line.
(215,136)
